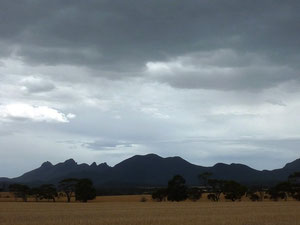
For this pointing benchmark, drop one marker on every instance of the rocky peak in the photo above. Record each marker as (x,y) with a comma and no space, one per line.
(94,164)
(70,162)
(46,164)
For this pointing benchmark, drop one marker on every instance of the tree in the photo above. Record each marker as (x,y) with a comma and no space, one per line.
(177,191)
(280,191)
(213,197)
(233,190)
(216,189)
(261,192)
(3,187)
(294,180)
(255,194)
(160,194)
(48,191)
(194,194)
(67,186)
(20,191)
(84,190)
(204,177)
(36,193)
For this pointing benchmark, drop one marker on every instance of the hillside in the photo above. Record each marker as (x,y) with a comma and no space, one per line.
(150,170)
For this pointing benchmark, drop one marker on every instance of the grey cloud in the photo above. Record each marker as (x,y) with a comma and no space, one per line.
(5,130)
(259,153)
(36,85)
(276,102)
(238,79)
(129,34)
(271,143)
(99,145)
(221,70)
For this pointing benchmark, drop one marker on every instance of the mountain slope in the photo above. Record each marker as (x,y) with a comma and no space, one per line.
(151,170)
(49,173)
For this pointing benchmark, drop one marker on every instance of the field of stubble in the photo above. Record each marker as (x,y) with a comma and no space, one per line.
(138,213)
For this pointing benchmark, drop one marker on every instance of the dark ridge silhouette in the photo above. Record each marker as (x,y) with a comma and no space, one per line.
(149,171)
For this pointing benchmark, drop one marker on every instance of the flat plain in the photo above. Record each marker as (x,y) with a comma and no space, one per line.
(148,213)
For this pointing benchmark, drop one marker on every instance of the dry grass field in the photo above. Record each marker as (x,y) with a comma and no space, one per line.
(9,197)
(146,213)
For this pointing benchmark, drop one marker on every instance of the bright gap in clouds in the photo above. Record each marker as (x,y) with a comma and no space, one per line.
(20,111)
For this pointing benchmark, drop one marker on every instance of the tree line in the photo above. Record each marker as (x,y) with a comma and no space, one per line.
(83,190)
(177,190)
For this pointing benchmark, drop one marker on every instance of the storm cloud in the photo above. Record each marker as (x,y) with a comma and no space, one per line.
(149,76)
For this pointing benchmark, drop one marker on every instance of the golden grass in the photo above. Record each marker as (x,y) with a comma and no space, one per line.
(122,198)
(148,213)
(9,197)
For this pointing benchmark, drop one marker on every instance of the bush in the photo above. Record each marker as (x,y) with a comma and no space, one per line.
(159,194)
(194,194)
(143,199)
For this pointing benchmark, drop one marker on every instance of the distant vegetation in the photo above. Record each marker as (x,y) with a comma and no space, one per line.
(176,190)
(83,190)
(232,190)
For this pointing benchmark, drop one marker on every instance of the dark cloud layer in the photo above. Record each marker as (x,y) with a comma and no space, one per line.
(129,33)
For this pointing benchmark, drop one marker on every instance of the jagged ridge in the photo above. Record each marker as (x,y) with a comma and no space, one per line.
(151,170)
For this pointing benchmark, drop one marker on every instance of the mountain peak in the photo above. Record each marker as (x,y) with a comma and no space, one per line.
(103,166)
(220,165)
(46,164)
(70,162)
(94,164)
(151,156)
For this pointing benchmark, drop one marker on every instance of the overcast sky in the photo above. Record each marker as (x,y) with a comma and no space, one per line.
(208,80)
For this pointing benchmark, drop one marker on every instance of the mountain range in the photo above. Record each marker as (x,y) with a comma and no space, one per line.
(150,171)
